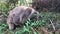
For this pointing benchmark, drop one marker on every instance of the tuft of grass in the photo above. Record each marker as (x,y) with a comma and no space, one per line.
(27,28)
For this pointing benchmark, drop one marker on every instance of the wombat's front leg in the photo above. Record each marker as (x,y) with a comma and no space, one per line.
(9,23)
(11,26)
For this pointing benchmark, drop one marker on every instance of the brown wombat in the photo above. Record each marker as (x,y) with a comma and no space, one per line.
(19,15)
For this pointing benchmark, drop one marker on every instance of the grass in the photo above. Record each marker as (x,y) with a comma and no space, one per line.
(29,27)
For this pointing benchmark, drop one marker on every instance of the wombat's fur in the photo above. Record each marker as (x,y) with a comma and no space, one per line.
(18,15)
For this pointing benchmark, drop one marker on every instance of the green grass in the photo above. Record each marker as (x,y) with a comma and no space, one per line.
(27,28)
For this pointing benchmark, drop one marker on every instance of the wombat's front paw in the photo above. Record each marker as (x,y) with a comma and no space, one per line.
(11,26)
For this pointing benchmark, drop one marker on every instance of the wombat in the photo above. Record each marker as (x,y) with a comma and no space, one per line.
(19,15)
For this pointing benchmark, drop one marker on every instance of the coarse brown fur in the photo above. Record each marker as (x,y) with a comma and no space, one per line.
(19,15)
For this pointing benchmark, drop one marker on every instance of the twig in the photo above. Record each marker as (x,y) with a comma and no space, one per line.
(52,25)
